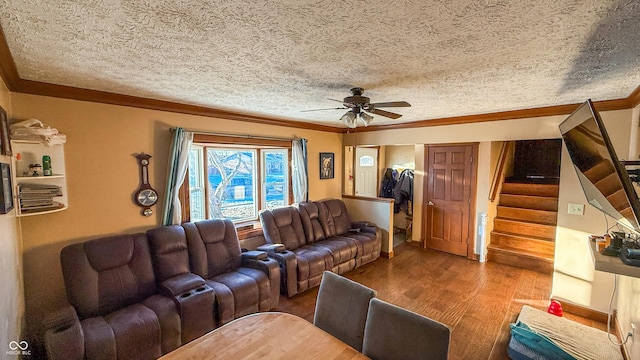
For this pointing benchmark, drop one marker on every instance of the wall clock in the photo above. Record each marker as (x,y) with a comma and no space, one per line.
(145,196)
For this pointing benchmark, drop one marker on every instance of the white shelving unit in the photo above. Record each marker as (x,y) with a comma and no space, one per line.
(32,153)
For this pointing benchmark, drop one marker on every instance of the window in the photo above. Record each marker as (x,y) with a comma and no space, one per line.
(236,181)
(366,161)
(196,183)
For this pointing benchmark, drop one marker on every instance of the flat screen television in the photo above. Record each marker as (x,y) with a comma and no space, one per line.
(604,179)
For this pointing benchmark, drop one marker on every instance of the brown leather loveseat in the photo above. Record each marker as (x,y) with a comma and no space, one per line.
(314,237)
(139,296)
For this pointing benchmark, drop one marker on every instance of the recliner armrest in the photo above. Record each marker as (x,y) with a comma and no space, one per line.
(360,224)
(254,255)
(370,229)
(288,264)
(195,302)
(268,266)
(272,248)
(180,284)
(63,336)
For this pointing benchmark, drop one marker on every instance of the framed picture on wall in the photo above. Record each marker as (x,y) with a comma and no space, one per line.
(6,191)
(5,144)
(326,165)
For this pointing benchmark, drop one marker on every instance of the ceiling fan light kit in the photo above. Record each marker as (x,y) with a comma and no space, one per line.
(360,107)
(349,119)
(366,118)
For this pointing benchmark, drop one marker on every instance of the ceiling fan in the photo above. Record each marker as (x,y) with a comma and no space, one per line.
(360,108)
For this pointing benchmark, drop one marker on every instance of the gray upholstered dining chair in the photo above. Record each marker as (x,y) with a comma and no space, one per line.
(392,332)
(342,307)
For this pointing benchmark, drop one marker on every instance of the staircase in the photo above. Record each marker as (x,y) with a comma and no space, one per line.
(524,229)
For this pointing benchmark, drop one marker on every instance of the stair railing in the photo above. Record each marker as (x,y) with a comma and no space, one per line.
(498,175)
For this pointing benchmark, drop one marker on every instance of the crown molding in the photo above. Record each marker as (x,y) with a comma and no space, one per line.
(74,93)
(11,77)
(8,69)
(634,97)
(606,105)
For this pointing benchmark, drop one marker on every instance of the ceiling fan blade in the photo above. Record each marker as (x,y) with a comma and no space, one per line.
(340,108)
(340,101)
(391,104)
(384,113)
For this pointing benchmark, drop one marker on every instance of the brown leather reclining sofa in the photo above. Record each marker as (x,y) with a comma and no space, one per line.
(314,237)
(139,296)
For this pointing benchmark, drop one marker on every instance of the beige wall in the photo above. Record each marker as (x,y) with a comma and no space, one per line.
(399,157)
(12,299)
(376,211)
(102,175)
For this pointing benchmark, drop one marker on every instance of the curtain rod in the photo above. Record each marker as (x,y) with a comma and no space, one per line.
(236,135)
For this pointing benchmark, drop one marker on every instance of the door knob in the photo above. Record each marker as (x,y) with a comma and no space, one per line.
(430,203)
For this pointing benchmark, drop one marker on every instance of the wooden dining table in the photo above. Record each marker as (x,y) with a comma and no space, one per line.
(268,335)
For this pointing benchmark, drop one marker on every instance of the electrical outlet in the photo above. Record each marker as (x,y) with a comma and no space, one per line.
(633,330)
(576,209)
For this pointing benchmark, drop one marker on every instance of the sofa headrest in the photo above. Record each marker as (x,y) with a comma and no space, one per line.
(107,274)
(311,214)
(110,252)
(337,212)
(213,247)
(169,251)
(216,230)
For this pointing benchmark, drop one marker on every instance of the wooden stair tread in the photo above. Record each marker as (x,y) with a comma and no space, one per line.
(550,190)
(529,202)
(546,217)
(525,229)
(525,223)
(523,237)
(543,246)
(522,253)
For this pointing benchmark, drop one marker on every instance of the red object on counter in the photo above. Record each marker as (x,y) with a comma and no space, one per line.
(555,308)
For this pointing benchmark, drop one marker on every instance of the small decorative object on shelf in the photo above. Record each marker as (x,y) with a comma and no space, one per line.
(46,165)
(34,169)
(145,196)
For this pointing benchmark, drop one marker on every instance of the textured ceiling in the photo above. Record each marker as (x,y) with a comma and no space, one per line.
(277,58)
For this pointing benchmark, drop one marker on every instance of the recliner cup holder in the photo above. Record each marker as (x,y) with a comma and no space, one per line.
(194,305)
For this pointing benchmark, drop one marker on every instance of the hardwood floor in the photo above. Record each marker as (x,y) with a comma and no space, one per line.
(476,300)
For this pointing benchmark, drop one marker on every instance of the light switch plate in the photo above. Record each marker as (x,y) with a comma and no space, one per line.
(576,209)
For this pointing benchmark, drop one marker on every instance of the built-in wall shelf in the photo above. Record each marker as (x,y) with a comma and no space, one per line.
(38,195)
(612,264)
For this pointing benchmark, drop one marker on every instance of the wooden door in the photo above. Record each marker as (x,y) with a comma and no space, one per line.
(450,198)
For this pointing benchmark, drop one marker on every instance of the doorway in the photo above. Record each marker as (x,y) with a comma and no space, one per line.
(449,197)
(537,161)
